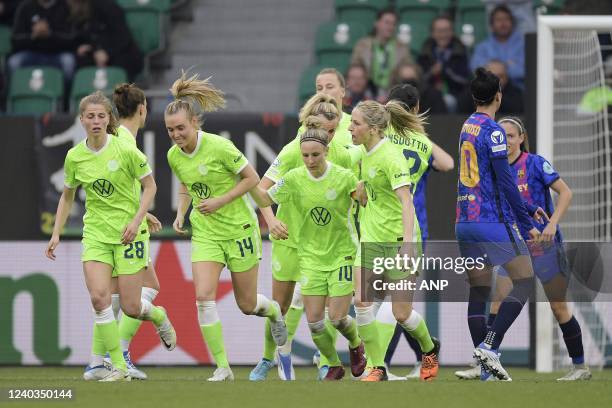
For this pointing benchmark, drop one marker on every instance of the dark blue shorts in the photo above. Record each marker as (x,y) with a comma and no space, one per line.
(497,243)
(548,261)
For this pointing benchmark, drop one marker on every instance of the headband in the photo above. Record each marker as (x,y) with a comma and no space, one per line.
(515,122)
(312,139)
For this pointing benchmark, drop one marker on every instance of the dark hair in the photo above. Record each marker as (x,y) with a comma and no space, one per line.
(406,94)
(126,98)
(382,12)
(358,65)
(484,86)
(441,17)
(502,8)
(518,123)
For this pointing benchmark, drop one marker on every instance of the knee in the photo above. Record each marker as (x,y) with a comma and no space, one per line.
(246,306)
(100,300)
(402,315)
(132,308)
(316,327)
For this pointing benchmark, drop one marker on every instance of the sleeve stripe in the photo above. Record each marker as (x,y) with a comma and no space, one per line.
(148,174)
(271,177)
(246,163)
(69,186)
(407,183)
(272,197)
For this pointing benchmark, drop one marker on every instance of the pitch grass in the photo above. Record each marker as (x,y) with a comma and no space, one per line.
(187,387)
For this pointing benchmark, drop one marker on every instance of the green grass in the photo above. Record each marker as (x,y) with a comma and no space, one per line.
(187,387)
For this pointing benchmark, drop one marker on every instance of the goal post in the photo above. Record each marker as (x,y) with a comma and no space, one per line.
(569,64)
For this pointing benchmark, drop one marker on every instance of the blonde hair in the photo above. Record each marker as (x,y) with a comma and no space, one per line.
(335,72)
(192,91)
(98,98)
(393,113)
(320,104)
(314,132)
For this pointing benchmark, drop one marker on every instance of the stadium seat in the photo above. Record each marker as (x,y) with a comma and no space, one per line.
(548,6)
(5,41)
(415,18)
(334,43)
(359,11)
(471,22)
(90,79)
(35,90)
(306,87)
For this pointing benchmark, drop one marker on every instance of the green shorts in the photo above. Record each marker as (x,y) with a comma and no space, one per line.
(338,282)
(370,254)
(238,254)
(285,263)
(125,259)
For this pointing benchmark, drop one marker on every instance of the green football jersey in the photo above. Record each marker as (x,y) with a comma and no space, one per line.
(107,176)
(384,169)
(125,135)
(417,150)
(211,170)
(290,158)
(327,236)
(342,133)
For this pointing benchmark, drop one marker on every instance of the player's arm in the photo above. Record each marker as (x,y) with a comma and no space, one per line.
(184,200)
(275,226)
(248,180)
(149,189)
(563,202)
(262,198)
(405,197)
(61,215)
(442,161)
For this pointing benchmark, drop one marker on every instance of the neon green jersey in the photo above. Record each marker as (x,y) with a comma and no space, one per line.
(125,135)
(290,158)
(384,169)
(211,170)
(107,176)
(342,133)
(327,236)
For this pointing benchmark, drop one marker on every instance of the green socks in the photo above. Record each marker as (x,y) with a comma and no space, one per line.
(213,336)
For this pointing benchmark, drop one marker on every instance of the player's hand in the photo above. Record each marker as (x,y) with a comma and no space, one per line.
(154,224)
(130,232)
(178,226)
(534,235)
(361,194)
(278,230)
(540,216)
(549,232)
(51,246)
(210,205)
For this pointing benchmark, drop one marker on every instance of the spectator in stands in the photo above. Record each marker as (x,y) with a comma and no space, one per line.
(444,62)
(431,98)
(512,96)
(7,11)
(522,10)
(505,43)
(381,52)
(42,36)
(103,37)
(358,87)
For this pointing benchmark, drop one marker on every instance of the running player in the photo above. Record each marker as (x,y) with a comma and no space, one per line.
(388,224)
(284,233)
(536,177)
(489,207)
(114,237)
(320,192)
(422,155)
(215,177)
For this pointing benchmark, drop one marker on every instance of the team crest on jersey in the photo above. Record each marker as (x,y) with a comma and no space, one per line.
(202,169)
(103,188)
(321,216)
(276,162)
(520,173)
(497,137)
(547,168)
(112,165)
(201,190)
(331,194)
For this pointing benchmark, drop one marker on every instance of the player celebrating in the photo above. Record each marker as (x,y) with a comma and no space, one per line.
(321,193)
(284,233)
(215,177)
(388,218)
(422,155)
(114,237)
(536,177)
(488,204)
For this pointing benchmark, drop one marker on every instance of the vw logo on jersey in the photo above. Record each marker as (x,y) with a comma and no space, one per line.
(372,172)
(497,137)
(103,188)
(331,194)
(202,169)
(320,216)
(113,165)
(201,190)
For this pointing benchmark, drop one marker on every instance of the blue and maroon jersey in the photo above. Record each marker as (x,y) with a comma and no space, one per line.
(479,197)
(534,176)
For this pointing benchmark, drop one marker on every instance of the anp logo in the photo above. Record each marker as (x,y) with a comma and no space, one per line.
(320,216)
(103,188)
(201,189)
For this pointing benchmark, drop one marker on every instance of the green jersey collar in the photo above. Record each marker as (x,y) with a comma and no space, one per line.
(376,146)
(97,152)
(190,155)
(322,176)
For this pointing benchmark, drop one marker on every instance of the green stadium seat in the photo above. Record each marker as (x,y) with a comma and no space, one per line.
(5,41)
(90,79)
(471,24)
(359,11)
(306,87)
(146,21)
(548,6)
(415,17)
(335,41)
(35,90)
